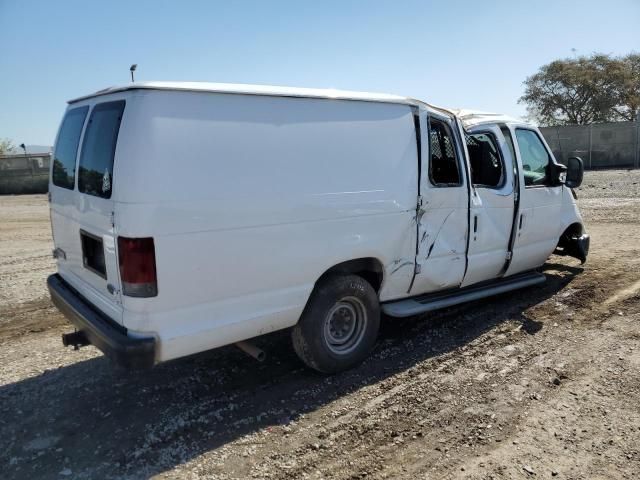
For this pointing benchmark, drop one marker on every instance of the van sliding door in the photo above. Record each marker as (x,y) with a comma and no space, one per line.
(443,215)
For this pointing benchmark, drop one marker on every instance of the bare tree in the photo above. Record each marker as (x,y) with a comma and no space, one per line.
(6,146)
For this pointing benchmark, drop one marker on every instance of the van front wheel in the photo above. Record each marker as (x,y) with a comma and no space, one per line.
(339,326)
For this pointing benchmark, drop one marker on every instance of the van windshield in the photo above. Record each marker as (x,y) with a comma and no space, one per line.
(95,173)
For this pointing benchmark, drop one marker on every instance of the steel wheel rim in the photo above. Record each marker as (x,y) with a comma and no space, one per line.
(344,325)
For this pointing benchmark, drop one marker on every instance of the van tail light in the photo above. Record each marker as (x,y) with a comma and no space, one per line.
(137,259)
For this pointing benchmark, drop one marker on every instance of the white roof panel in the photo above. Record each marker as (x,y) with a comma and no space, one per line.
(268,90)
(471,118)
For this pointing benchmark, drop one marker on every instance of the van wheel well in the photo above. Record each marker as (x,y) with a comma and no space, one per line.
(573,230)
(368,268)
(574,242)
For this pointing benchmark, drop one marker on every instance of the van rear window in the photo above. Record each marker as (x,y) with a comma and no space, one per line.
(95,175)
(63,173)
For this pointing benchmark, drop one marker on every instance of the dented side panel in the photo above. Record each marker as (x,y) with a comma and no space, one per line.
(398,271)
(441,253)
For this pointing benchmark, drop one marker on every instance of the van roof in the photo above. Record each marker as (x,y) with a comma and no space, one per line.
(471,118)
(269,90)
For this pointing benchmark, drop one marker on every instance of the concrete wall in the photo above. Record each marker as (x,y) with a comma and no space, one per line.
(24,174)
(600,145)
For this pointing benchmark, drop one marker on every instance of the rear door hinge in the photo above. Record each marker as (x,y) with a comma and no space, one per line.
(417,269)
(509,255)
(113,219)
(420,201)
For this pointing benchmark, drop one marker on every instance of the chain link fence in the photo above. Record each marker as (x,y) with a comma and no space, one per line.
(600,145)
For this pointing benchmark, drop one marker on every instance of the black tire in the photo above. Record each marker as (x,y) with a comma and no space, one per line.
(339,325)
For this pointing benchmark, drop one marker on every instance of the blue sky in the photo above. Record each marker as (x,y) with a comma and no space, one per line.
(453,53)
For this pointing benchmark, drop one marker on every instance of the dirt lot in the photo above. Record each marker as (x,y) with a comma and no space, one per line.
(541,383)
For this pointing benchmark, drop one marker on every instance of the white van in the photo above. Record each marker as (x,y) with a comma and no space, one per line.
(187,216)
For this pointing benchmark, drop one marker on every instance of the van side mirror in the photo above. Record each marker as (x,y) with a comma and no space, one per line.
(575,172)
(557,174)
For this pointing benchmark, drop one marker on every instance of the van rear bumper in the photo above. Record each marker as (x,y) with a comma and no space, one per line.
(99,330)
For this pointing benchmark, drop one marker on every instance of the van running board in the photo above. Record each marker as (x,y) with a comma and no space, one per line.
(436,301)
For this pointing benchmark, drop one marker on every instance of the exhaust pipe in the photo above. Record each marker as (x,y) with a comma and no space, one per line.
(251,350)
(76,339)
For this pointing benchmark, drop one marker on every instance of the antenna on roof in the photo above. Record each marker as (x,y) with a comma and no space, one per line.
(133,69)
(24,147)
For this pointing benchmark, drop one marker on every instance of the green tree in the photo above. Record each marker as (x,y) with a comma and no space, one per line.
(6,146)
(629,88)
(583,90)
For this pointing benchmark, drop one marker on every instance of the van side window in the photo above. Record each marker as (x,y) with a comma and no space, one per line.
(64,158)
(487,168)
(95,174)
(535,157)
(443,164)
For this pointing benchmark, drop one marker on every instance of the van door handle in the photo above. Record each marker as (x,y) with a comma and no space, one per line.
(521,221)
(475,224)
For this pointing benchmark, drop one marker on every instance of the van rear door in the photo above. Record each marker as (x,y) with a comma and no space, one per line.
(82,210)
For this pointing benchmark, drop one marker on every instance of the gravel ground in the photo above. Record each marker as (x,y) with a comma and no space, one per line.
(541,383)
(610,191)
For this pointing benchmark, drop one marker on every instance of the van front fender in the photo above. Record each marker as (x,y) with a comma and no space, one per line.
(574,241)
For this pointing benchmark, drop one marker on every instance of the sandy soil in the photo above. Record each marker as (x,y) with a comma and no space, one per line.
(542,383)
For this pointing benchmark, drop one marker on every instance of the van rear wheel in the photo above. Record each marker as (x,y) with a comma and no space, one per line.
(339,325)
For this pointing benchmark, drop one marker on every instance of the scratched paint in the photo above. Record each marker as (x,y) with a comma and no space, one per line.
(398,264)
(441,247)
